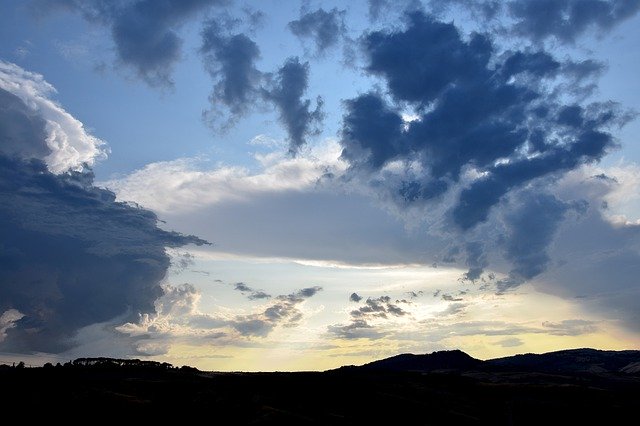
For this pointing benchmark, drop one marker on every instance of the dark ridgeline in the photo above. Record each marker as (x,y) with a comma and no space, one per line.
(449,387)
(563,362)
(442,360)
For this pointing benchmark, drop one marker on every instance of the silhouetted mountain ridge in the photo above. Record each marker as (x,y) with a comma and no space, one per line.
(441,360)
(571,360)
(579,386)
(584,360)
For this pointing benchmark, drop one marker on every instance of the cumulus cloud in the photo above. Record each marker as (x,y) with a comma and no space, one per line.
(325,28)
(145,32)
(71,255)
(355,297)
(285,91)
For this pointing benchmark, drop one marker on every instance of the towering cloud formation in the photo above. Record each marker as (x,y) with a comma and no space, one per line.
(70,256)
(34,126)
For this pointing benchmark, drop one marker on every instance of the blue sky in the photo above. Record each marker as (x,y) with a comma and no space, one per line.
(302,185)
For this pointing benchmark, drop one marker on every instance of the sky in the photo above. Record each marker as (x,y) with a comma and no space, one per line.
(267,185)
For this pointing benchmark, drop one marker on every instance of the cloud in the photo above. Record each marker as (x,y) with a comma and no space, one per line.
(279,201)
(355,297)
(597,252)
(454,309)
(509,342)
(71,255)
(373,309)
(450,298)
(230,60)
(574,327)
(356,329)
(8,320)
(325,28)
(145,32)
(285,91)
(442,328)
(482,127)
(177,319)
(240,87)
(566,20)
(253,294)
(530,229)
(35,126)
(378,307)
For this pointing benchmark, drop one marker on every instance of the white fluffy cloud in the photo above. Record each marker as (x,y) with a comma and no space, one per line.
(298,208)
(70,145)
(8,320)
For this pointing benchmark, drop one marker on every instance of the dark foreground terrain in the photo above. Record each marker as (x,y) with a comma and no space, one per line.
(567,387)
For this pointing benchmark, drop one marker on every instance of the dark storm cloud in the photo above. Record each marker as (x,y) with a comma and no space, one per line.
(250,292)
(230,60)
(566,20)
(471,113)
(325,28)
(355,297)
(285,91)
(283,312)
(72,256)
(144,31)
(477,109)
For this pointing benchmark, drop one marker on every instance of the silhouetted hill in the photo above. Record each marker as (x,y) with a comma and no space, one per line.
(442,360)
(567,361)
(583,386)
(573,360)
